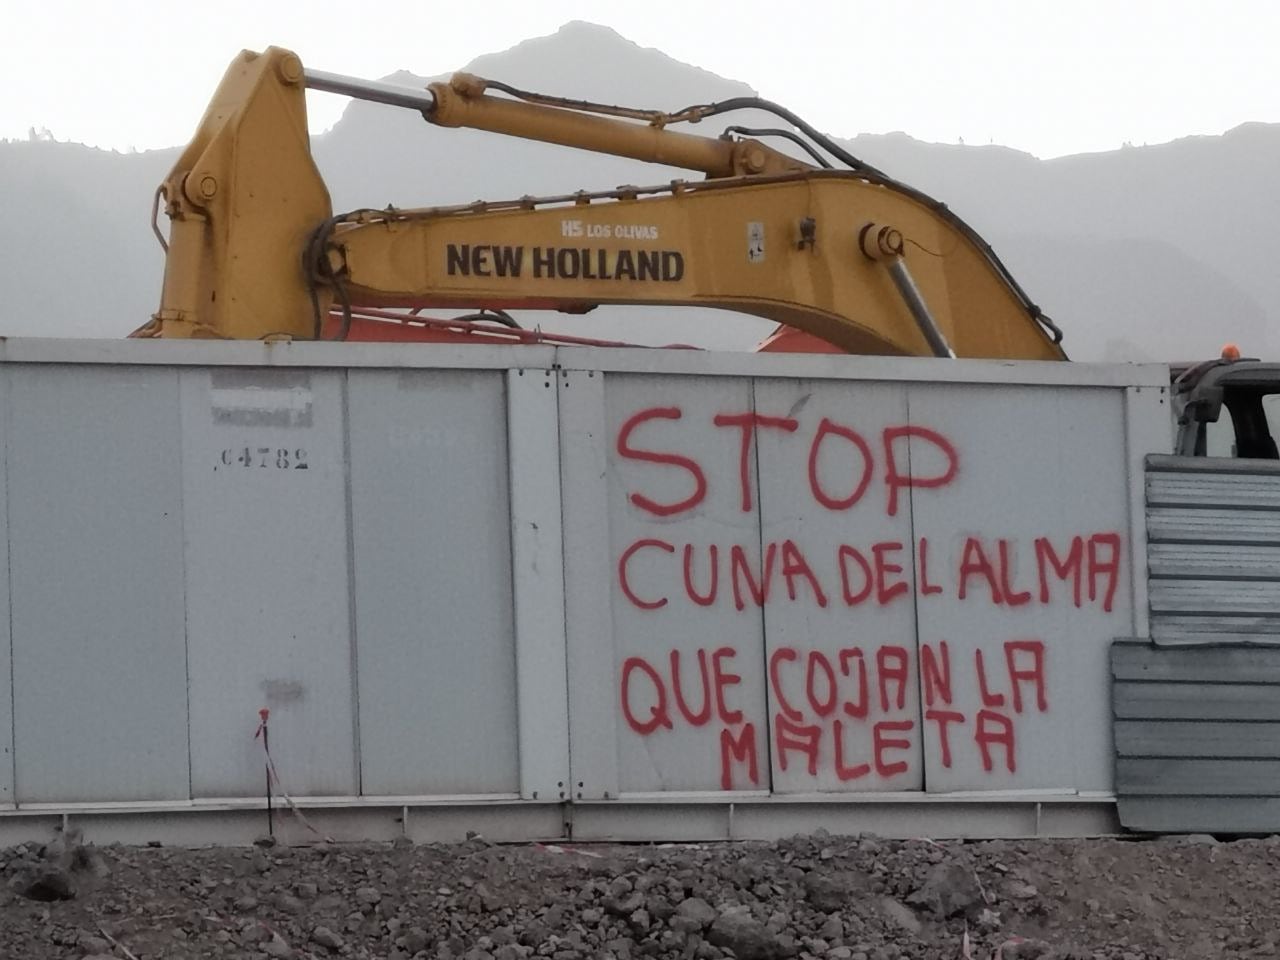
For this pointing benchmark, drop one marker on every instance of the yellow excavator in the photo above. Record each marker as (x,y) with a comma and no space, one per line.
(843,257)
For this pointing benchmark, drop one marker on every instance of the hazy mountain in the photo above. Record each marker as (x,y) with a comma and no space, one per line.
(1157,252)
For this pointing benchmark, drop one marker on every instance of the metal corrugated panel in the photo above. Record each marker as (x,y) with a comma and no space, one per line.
(1209,525)
(1195,701)
(1223,597)
(1197,712)
(1202,814)
(1211,561)
(1180,629)
(1198,777)
(1175,486)
(1197,737)
(1213,529)
(1203,665)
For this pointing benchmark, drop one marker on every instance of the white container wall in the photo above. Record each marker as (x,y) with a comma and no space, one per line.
(478,575)
(830,586)
(96,585)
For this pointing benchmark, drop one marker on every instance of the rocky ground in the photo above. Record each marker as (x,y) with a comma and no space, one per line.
(834,898)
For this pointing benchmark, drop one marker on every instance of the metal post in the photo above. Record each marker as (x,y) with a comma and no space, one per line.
(911,295)
(263,715)
(271,832)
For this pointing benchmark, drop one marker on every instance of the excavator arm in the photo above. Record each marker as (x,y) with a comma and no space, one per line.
(848,256)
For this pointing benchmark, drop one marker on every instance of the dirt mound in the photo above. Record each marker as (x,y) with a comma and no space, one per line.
(847,898)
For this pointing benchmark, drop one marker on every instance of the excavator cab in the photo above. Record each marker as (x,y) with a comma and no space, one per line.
(1247,391)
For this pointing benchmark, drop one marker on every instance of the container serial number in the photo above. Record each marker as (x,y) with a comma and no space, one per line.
(263,458)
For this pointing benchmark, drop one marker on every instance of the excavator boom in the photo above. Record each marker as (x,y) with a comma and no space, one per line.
(849,256)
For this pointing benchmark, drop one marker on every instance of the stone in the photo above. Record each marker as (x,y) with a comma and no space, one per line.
(697,910)
(825,893)
(415,941)
(832,929)
(50,884)
(900,915)
(746,937)
(988,920)
(1026,950)
(626,905)
(327,938)
(949,890)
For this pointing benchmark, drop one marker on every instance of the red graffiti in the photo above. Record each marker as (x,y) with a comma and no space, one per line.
(861,707)
(1023,678)
(759,589)
(704,712)
(775,678)
(973,563)
(789,736)
(646,695)
(926,588)
(722,680)
(844,771)
(886,587)
(845,554)
(749,423)
(668,459)
(662,689)
(826,705)
(995,730)
(844,685)
(942,718)
(892,665)
(622,572)
(658,714)
(935,668)
(702,599)
(1048,560)
(1013,597)
(989,698)
(1033,674)
(825,429)
(794,565)
(858,709)
(1094,559)
(821,716)
(897,480)
(1108,568)
(742,749)
(1085,560)
(822,690)
(928,446)
(878,574)
(884,743)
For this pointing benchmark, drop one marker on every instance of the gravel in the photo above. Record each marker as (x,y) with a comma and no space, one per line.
(811,898)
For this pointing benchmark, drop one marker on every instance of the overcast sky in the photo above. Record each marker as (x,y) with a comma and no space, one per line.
(1051,78)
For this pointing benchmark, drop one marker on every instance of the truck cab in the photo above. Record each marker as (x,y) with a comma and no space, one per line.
(1229,407)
